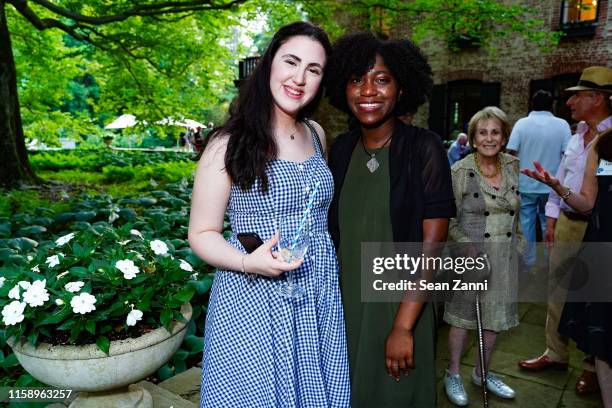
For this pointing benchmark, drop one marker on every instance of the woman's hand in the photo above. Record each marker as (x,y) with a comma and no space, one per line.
(264,262)
(399,350)
(541,175)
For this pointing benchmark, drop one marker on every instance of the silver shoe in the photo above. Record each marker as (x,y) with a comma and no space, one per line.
(453,385)
(495,385)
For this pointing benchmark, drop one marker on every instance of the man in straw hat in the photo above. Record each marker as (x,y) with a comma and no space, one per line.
(591,106)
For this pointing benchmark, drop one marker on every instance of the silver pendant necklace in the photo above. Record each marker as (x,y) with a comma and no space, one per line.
(373,163)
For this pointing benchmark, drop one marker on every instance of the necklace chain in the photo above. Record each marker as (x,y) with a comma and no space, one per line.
(292,134)
(373,164)
(377,149)
(491,175)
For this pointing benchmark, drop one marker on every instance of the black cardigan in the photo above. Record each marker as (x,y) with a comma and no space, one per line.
(420,180)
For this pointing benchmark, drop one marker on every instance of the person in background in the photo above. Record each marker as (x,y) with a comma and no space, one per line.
(392,184)
(262,349)
(590,106)
(538,137)
(197,139)
(485,185)
(589,323)
(458,149)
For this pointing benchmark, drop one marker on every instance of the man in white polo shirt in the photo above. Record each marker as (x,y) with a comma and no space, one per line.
(539,137)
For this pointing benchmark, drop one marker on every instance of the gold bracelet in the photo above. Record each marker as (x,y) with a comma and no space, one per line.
(567,194)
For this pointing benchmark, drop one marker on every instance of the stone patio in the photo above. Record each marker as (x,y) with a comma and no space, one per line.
(548,389)
(551,389)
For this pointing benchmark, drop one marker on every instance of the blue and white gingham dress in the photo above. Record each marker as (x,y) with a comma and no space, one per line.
(264,350)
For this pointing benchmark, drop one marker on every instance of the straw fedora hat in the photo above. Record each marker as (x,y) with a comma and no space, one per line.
(594,79)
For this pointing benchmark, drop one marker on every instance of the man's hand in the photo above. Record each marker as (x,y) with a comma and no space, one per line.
(399,350)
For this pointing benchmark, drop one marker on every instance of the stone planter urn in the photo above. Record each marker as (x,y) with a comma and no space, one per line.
(104,380)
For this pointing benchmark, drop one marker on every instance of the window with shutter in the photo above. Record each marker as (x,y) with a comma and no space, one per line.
(579,17)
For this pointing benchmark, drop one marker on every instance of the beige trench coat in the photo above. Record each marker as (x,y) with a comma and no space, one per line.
(489,218)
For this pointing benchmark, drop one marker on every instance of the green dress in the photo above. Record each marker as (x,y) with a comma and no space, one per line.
(364,217)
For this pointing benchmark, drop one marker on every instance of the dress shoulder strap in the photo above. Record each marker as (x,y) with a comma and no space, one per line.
(315,137)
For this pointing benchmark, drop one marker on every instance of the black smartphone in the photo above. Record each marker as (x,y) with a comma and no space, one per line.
(250,241)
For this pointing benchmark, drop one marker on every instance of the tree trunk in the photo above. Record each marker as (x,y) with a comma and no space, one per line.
(14,165)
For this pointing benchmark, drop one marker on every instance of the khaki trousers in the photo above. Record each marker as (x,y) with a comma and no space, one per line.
(568,231)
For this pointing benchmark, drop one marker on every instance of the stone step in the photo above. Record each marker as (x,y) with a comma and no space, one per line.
(185,384)
(163,398)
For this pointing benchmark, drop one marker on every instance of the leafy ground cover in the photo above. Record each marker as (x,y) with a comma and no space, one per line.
(149,193)
(97,159)
(95,171)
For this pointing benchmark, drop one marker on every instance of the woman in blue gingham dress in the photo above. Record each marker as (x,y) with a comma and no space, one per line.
(262,349)
(278,351)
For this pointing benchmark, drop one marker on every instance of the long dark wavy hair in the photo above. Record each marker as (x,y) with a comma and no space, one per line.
(251,144)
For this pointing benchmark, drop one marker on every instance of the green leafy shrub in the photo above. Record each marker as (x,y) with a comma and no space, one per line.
(154,212)
(94,284)
(118,174)
(96,160)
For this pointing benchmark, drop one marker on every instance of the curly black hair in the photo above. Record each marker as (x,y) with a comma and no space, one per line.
(355,54)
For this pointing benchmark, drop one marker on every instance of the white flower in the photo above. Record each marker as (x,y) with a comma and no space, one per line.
(138,255)
(29,258)
(2,280)
(24,284)
(137,233)
(134,316)
(159,247)
(14,293)
(61,241)
(61,275)
(59,302)
(122,243)
(194,276)
(128,268)
(74,286)
(112,217)
(36,269)
(36,294)
(186,266)
(13,313)
(52,261)
(83,303)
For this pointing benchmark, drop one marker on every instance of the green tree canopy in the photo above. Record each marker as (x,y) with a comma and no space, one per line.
(457,22)
(67,67)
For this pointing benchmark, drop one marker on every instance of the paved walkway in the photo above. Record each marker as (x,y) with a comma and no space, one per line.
(549,389)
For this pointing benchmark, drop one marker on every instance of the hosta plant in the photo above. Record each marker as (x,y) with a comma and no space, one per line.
(95,286)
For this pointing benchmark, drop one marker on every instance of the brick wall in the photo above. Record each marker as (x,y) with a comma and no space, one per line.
(514,63)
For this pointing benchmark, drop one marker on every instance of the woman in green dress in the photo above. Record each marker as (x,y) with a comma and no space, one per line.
(392,184)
